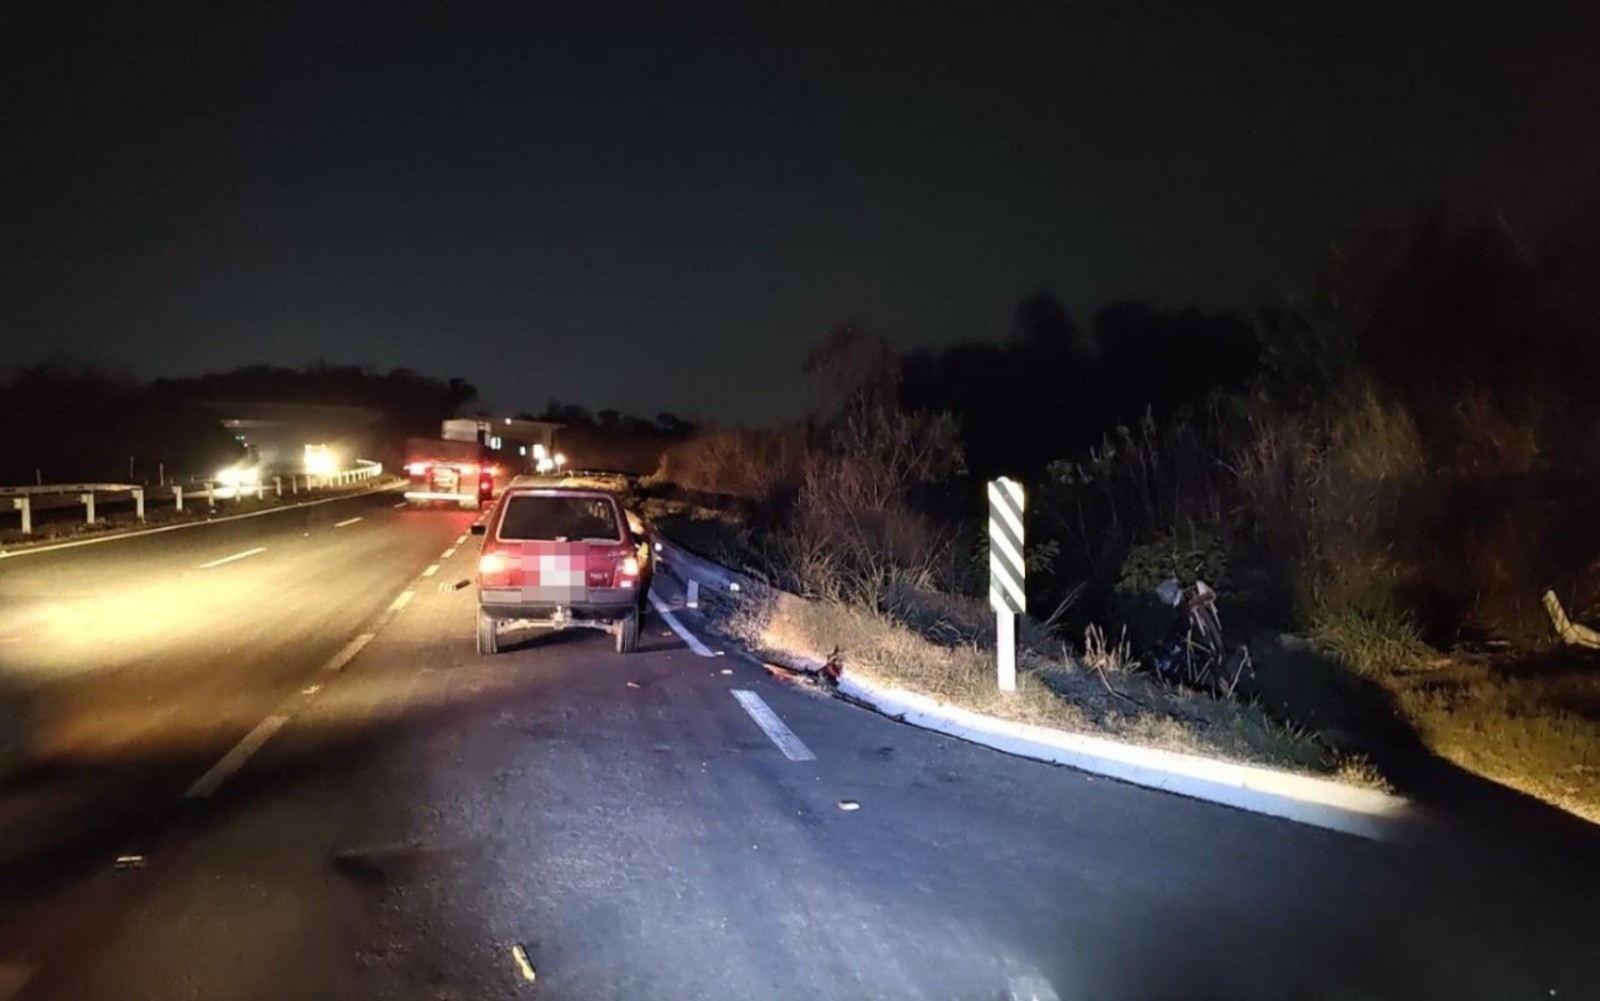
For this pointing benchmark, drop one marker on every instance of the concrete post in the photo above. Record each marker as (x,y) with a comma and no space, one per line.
(177,495)
(26,507)
(294,484)
(211,493)
(277,485)
(138,503)
(261,490)
(88,503)
(1005,644)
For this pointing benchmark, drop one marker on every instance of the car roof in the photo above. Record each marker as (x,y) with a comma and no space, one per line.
(537,487)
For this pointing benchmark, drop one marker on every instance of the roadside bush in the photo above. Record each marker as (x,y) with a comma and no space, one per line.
(1370,641)
(854,529)
(750,464)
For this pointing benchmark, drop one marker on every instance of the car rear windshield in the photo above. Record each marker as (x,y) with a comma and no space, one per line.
(563,519)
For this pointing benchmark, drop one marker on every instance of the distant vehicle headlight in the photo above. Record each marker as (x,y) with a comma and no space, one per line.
(239,476)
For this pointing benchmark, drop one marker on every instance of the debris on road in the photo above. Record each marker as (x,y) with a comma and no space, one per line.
(524,967)
(454,585)
(130,861)
(633,684)
(825,677)
(726,670)
(833,667)
(311,690)
(849,805)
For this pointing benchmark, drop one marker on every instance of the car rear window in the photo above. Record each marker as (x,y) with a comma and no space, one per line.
(570,519)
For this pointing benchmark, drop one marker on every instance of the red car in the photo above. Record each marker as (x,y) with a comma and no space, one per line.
(560,558)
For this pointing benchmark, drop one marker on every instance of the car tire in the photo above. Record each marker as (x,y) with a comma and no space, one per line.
(488,635)
(628,633)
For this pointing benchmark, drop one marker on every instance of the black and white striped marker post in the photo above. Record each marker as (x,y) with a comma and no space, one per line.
(1006,575)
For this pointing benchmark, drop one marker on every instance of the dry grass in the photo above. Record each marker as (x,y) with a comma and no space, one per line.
(1523,728)
(1531,724)
(1053,689)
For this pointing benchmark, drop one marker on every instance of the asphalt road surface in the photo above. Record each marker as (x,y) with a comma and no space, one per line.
(414,821)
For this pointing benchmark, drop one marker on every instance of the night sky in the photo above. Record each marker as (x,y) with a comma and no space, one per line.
(655,211)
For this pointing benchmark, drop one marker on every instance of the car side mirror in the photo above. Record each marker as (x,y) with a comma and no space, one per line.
(478,528)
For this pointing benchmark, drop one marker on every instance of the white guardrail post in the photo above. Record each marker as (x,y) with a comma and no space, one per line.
(26,507)
(177,495)
(211,494)
(88,502)
(277,485)
(138,503)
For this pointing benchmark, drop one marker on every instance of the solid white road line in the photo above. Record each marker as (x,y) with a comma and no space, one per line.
(792,747)
(433,568)
(402,601)
(231,762)
(678,627)
(348,652)
(235,556)
(347,521)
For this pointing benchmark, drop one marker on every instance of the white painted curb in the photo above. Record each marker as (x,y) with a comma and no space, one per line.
(1304,799)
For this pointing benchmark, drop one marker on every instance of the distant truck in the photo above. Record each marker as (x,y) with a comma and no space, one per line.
(445,471)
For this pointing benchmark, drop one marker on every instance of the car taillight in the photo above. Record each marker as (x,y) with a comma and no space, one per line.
(494,569)
(627,571)
(417,468)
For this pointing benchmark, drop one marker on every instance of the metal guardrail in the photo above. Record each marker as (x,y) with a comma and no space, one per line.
(50,496)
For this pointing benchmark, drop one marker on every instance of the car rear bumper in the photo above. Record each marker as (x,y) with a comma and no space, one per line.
(440,495)
(547,605)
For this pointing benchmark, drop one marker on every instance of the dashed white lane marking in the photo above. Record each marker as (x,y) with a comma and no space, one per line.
(448,553)
(348,652)
(400,505)
(347,521)
(231,762)
(433,568)
(678,627)
(792,747)
(402,601)
(235,556)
